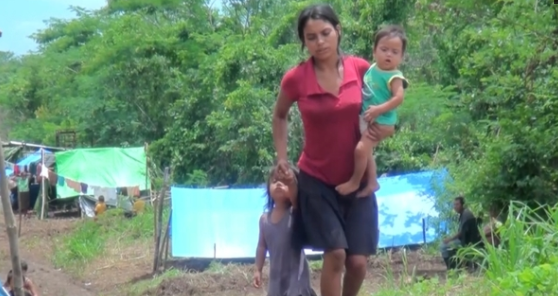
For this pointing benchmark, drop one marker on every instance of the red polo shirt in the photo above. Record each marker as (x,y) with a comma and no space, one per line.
(331,129)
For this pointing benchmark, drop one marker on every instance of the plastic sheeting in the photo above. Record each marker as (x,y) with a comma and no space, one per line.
(101,167)
(36,157)
(404,204)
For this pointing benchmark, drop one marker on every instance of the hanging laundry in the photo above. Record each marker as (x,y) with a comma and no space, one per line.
(133,191)
(33,169)
(11,184)
(83,187)
(108,193)
(61,181)
(52,177)
(74,185)
(22,184)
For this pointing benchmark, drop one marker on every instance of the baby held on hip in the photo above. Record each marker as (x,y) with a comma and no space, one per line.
(382,92)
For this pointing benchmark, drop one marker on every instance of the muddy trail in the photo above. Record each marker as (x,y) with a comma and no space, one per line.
(35,246)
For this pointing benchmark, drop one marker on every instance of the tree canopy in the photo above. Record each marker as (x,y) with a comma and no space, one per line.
(198,81)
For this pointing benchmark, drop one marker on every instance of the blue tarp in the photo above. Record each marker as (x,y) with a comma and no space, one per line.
(32,158)
(29,159)
(223,223)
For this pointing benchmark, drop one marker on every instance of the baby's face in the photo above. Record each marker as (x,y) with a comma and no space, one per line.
(389,53)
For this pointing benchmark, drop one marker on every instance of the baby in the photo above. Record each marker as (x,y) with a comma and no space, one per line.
(383,91)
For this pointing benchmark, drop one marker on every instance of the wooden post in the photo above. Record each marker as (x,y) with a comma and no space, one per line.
(166,256)
(159,212)
(164,246)
(43,186)
(145,148)
(11,228)
(20,224)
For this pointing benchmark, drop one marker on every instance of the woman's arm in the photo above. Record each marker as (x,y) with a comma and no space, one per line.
(288,94)
(280,124)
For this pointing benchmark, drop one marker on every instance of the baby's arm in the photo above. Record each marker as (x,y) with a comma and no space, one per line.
(261,248)
(397,88)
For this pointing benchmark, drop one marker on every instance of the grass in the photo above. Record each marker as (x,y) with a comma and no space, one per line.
(140,288)
(91,239)
(524,265)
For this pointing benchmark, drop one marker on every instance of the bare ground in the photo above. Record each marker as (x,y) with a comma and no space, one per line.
(235,280)
(36,248)
(124,265)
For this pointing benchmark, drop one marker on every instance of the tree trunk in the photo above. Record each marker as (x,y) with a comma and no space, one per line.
(11,228)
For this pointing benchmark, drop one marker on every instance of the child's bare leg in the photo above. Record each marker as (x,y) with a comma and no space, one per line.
(362,154)
(372,184)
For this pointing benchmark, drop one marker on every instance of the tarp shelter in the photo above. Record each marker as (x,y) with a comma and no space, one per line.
(101,168)
(36,157)
(32,158)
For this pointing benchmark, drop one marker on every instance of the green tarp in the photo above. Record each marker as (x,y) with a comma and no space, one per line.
(101,167)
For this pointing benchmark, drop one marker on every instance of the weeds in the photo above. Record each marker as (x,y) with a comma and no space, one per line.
(523,265)
(90,239)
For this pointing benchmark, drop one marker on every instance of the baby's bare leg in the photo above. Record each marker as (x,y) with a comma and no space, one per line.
(363,153)
(372,183)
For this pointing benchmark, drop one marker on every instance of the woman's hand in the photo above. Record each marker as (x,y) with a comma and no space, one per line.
(284,171)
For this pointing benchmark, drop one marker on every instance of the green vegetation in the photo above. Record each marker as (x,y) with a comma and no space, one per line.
(93,239)
(198,83)
(522,266)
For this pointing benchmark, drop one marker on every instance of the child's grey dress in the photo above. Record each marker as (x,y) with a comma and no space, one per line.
(289,274)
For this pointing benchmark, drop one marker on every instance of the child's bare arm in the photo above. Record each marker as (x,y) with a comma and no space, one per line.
(32,287)
(262,247)
(398,94)
(8,280)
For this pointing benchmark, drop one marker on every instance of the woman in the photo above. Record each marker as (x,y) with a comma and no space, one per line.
(327,89)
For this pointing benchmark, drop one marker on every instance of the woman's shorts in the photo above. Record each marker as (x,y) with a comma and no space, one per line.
(325,220)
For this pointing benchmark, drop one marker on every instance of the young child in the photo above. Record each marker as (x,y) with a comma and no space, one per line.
(100,207)
(28,286)
(383,91)
(289,274)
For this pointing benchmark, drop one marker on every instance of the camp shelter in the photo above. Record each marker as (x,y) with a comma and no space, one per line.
(28,156)
(91,172)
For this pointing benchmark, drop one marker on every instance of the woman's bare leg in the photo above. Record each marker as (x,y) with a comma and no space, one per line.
(332,269)
(355,273)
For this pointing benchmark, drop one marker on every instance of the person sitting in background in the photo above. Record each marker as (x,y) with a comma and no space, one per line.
(28,286)
(453,241)
(100,206)
(138,206)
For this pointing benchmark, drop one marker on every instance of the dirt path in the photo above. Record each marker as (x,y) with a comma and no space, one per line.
(49,281)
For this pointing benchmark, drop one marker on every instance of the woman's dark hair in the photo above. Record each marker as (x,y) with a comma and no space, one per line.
(322,12)
(391,31)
